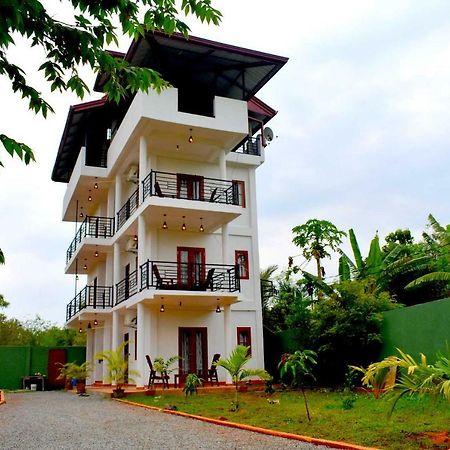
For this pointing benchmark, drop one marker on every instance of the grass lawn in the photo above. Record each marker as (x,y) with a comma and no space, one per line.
(365,423)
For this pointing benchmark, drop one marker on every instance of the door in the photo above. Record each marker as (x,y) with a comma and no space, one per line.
(191,266)
(56,357)
(190,187)
(193,350)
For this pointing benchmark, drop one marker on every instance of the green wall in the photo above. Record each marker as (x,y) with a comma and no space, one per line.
(423,328)
(16,362)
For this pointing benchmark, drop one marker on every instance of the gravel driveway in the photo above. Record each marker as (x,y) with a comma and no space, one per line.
(58,420)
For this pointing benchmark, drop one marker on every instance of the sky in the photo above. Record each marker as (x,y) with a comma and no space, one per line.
(363,135)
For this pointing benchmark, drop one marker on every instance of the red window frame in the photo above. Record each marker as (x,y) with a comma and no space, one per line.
(240,191)
(244,337)
(244,273)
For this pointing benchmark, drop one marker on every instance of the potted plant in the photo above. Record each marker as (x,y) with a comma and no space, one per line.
(66,374)
(163,366)
(117,369)
(80,372)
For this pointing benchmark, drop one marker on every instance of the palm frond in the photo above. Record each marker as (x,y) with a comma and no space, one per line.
(318,283)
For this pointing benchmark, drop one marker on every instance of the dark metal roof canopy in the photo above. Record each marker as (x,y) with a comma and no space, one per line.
(222,69)
(193,63)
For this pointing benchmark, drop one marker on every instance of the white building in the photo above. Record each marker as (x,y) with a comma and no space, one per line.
(163,186)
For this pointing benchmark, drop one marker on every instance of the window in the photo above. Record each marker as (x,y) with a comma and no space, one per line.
(244,337)
(241,259)
(239,193)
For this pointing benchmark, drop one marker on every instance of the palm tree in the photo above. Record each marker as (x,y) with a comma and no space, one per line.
(234,365)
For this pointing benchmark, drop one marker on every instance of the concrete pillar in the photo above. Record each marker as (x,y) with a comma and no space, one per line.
(115,341)
(107,337)
(227,336)
(89,352)
(143,170)
(223,165)
(118,195)
(141,362)
(225,251)
(117,273)
(141,246)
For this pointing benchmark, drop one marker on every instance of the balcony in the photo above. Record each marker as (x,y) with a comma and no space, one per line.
(191,187)
(179,276)
(95,297)
(92,227)
(250,146)
(128,209)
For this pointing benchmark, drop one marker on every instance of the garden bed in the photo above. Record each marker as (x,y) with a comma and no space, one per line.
(415,422)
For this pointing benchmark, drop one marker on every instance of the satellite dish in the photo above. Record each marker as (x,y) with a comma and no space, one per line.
(268,134)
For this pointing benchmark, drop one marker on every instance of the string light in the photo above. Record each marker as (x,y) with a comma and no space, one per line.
(201,225)
(183,227)
(191,139)
(95,185)
(95,322)
(165,223)
(161,309)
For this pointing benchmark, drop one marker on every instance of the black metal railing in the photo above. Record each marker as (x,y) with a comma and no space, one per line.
(128,209)
(250,147)
(92,226)
(191,187)
(96,297)
(126,287)
(190,276)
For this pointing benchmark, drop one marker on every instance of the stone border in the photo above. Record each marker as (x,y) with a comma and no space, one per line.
(296,437)
(2,398)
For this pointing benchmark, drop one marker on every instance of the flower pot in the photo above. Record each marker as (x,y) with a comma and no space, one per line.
(67,384)
(81,387)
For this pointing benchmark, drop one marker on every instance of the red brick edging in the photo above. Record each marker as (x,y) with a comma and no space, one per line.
(297,437)
(2,398)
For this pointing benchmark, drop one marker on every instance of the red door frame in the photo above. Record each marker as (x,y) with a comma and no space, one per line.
(191,265)
(192,349)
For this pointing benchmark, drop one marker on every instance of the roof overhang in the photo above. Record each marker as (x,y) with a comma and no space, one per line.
(225,70)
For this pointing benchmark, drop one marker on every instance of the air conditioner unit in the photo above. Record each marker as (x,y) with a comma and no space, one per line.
(133,174)
(131,246)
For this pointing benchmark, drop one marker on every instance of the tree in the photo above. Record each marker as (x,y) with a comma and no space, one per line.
(234,365)
(81,41)
(299,367)
(315,237)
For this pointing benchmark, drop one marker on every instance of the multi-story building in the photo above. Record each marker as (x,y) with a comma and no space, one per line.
(163,186)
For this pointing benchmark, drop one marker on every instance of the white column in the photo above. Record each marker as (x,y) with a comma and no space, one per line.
(106,346)
(225,251)
(141,362)
(118,195)
(89,356)
(143,158)
(258,338)
(141,245)
(115,341)
(223,165)
(116,264)
(227,336)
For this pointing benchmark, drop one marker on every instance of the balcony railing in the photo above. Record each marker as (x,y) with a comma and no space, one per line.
(250,147)
(96,297)
(126,287)
(92,226)
(189,276)
(128,209)
(191,187)
(267,291)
